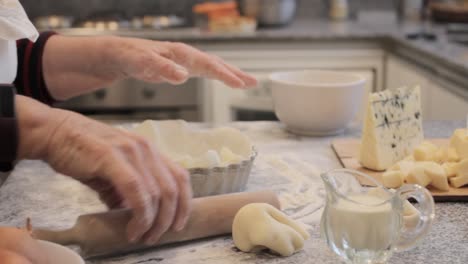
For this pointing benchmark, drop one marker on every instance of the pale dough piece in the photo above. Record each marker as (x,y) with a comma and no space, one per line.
(418,176)
(196,148)
(441,155)
(425,152)
(411,215)
(210,159)
(450,168)
(452,155)
(229,157)
(459,141)
(437,174)
(461,179)
(395,167)
(393,179)
(184,160)
(259,225)
(408,160)
(446,155)
(405,166)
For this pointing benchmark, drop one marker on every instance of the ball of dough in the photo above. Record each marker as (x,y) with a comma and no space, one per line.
(259,225)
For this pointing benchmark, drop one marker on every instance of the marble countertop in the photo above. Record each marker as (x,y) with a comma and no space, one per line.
(378,27)
(286,163)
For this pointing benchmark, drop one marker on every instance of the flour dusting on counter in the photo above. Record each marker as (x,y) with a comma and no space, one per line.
(50,199)
(303,195)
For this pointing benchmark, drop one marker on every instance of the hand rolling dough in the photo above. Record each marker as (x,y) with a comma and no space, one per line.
(258,226)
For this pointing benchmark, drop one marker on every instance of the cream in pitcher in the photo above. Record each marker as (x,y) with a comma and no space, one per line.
(365,224)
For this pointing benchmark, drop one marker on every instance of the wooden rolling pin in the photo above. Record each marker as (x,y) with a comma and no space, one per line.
(104,234)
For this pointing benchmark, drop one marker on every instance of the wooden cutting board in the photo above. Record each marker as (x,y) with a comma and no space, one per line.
(347,150)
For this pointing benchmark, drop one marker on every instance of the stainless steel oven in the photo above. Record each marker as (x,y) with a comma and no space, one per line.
(133,99)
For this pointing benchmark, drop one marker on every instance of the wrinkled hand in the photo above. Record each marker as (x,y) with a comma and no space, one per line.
(18,247)
(156,61)
(124,168)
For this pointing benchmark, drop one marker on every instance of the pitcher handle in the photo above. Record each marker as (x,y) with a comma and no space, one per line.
(410,237)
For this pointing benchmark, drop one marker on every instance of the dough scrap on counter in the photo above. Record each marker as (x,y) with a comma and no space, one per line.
(405,166)
(258,226)
(193,148)
(461,178)
(393,179)
(426,151)
(419,176)
(459,141)
(446,154)
(437,174)
(450,168)
(411,215)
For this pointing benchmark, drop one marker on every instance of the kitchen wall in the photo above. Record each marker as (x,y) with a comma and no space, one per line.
(85,8)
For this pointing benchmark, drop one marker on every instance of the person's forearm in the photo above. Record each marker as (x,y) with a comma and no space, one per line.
(77,65)
(36,123)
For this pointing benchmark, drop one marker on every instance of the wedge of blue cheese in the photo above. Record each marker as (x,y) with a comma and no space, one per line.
(392,127)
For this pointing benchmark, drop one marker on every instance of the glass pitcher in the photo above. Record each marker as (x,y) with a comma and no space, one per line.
(365,224)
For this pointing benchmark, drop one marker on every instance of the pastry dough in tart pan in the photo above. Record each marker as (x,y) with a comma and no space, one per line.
(219,160)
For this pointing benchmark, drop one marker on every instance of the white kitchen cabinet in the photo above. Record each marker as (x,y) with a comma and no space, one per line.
(219,101)
(445,103)
(440,100)
(401,73)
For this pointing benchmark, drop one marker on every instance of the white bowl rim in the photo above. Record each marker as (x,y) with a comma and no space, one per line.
(273,77)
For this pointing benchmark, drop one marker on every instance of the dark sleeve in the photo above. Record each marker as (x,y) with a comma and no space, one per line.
(30,78)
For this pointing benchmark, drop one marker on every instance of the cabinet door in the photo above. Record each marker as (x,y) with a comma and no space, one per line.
(370,79)
(401,73)
(219,99)
(447,101)
(440,99)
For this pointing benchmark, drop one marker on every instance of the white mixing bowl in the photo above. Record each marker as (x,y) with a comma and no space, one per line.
(315,102)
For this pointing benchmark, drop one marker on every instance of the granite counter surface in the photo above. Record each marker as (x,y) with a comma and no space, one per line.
(286,163)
